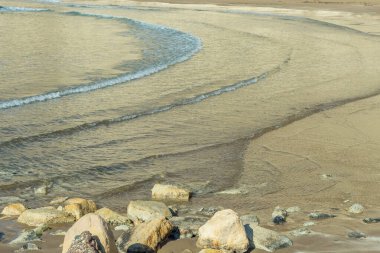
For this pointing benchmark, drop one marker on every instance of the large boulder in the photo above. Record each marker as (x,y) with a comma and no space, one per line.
(146,237)
(98,228)
(38,216)
(169,192)
(224,231)
(147,210)
(112,217)
(266,239)
(14,209)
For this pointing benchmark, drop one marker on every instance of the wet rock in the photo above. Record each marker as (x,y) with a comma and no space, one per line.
(356,209)
(320,216)
(300,232)
(266,239)
(147,210)
(224,231)
(35,217)
(58,200)
(371,220)
(85,243)
(187,227)
(250,219)
(169,192)
(30,235)
(209,211)
(293,209)
(146,237)
(97,227)
(14,209)
(2,236)
(112,217)
(356,235)
(279,215)
(309,223)
(28,246)
(79,207)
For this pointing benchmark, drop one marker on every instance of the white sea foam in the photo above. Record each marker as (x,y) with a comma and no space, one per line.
(20,9)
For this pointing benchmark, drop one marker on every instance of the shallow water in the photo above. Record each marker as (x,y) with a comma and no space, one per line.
(97,104)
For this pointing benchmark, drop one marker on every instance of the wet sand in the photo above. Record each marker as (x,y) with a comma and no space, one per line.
(327,86)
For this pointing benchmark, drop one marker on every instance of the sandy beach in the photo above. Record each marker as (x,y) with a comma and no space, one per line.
(292,115)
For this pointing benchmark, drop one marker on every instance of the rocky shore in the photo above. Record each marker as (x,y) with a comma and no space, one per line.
(151,225)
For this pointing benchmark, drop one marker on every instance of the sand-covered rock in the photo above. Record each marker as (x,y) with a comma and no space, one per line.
(38,216)
(169,192)
(356,208)
(266,239)
(14,209)
(112,217)
(146,237)
(147,210)
(224,231)
(98,228)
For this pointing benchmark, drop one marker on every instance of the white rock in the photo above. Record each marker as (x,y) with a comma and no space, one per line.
(97,227)
(356,209)
(224,231)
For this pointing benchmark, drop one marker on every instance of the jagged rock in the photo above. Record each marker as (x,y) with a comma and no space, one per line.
(79,207)
(85,243)
(112,217)
(146,237)
(58,200)
(371,220)
(14,209)
(279,215)
(266,239)
(356,209)
(28,246)
(319,216)
(187,227)
(30,235)
(224,231)
(147,210)
(169,192)
(35,217)
(250,219)
(356,235)
(293,209)
(98,228)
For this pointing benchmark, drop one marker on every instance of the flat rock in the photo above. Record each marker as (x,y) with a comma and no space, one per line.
(224,231)
(187,227)
(27,247)
(356,235)
(300,232)
(38,216)
(14,209)
(250,219)
(112,217)
(147,210)
(356,209)
(320,216)
(146,237)
(170,192)
(267,239)
(97,227)
(371,220)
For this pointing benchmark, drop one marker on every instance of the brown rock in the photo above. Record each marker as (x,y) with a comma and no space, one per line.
(97,227)
(13,209)
(112,217)
(86,205)
(169,192)
(38,216)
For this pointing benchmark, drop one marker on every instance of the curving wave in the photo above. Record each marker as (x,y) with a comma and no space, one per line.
(20,9)
(169,56)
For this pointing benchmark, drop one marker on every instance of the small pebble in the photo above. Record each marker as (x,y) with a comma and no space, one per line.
(356,209)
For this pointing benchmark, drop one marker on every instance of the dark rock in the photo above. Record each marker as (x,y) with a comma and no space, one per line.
(279,220)
(319,216)
(2,235)
(279,215)
(356,235)
(187,227)
(371,220)
(85,243)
